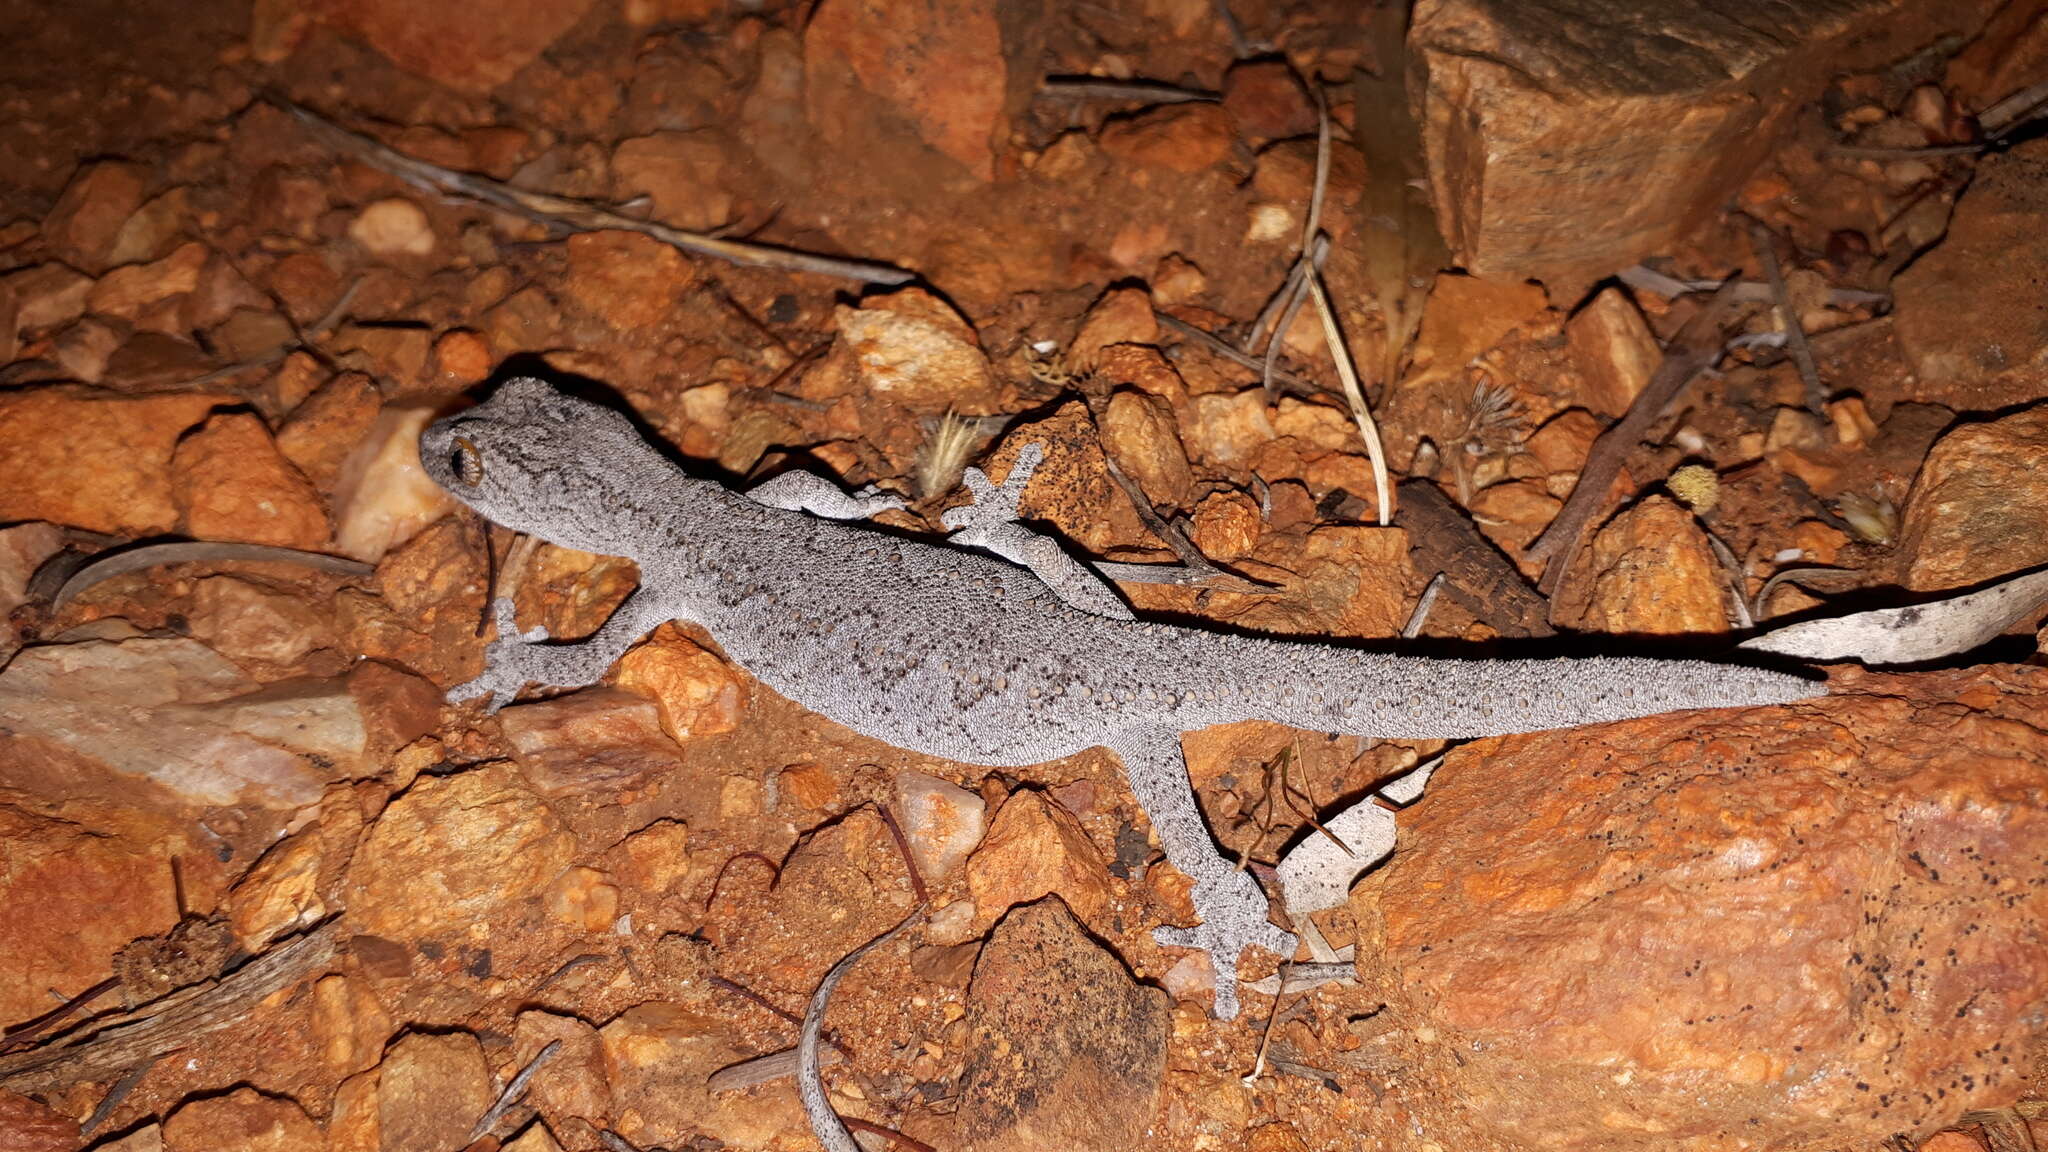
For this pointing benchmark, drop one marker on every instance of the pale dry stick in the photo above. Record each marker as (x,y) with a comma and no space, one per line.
(1146,91)
(1312,277)
(1265,1041)
(1924,152)
(1788,317)
(1309,263)
(1296,294)
(763,1069)
(2016,109)
(1355,397)
(1794,576)
(1271,311)
(1737,606)
(1644,278)
(577,216)
(513,1091)
(825,1123)
(1423,604)
(107,565)
(113,1098)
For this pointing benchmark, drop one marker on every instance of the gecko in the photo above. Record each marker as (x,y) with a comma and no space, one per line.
(995,648)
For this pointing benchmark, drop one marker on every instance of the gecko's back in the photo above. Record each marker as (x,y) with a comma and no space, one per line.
(961,655)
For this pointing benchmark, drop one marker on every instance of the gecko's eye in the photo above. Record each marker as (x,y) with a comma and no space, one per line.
(468,462)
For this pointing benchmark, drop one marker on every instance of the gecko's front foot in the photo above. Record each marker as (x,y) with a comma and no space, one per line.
(1233,912)
(995,505)
(511,662)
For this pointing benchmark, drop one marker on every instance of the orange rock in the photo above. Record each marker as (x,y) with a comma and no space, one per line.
(470,50)
(455,853)
(1035,847)
(1266,101)
(1614,351)
(1072,489)
(128,290)
(1698,923)
(1975,510)
(92,460)
(1065,1050)
(1466,315)
(942,821)
(585,899)
(1561,447)
(809,786)
(393,228)
(842,885)
(349,1026)
(393,353)
(697,693)
(655,858)
(462,357)
(430,1089)
(657,1057)
(86,223)
(322,431)
(29,1126)
(1226,526)
(1184,138)
(597,738)
(1121,316)
(1178,280)
(231,483)
(280,894)
(1138,432)
(382,497)
(1642,116)
(43,298)
(1951,1140)
(683,173)
(244,1120)
(628,281)
(1142,367)
(1655,574)
(910,348)
(352,1123)
(1964,355)
(576,1084)
(1227,429)
(1346,580)
(938,68)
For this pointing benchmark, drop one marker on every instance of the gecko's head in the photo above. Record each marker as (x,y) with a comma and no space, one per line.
(539,461)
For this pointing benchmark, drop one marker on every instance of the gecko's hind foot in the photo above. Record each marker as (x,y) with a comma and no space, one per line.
(1233,913)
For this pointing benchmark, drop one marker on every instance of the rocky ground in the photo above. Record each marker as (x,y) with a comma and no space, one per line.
(262,888)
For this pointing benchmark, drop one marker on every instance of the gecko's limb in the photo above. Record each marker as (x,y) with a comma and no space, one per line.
(991,523)
(808,492)
(1230,903)
(516,659)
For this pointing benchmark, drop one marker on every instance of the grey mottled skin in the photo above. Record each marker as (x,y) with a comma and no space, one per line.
(957,654)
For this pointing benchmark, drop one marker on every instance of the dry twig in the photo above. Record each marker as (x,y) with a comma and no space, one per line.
(1692,351)
(102,1047)
(1788,318)
(577,216)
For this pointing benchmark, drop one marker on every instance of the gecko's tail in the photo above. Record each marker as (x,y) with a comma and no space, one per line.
(1380,695)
